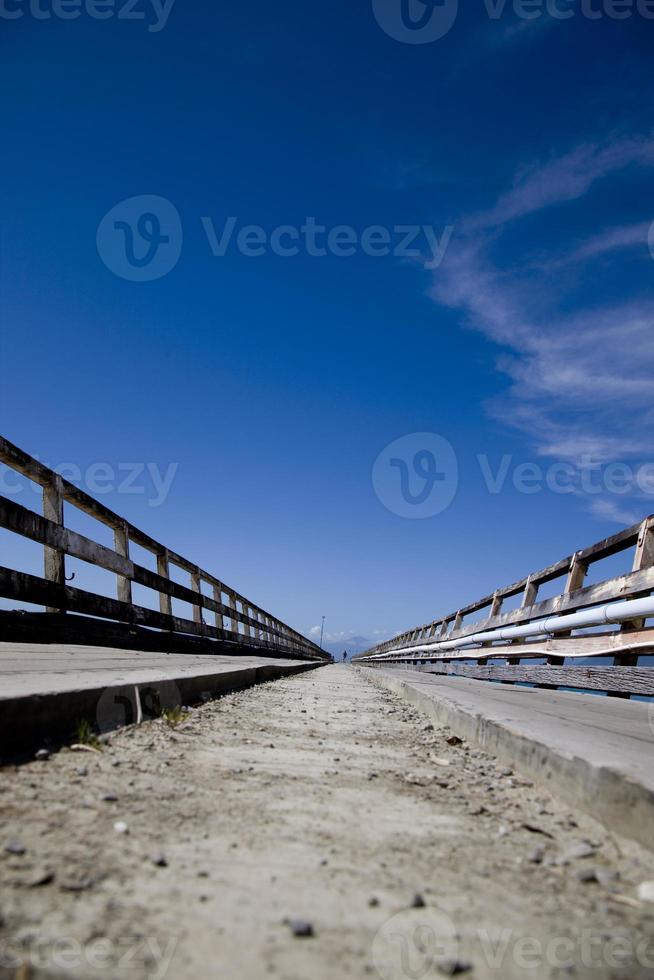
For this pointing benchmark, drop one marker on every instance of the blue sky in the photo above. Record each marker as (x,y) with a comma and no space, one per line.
(271,384)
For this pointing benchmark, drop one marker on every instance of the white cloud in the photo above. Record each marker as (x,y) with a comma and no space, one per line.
(607,509)
(564,178)
(582,383)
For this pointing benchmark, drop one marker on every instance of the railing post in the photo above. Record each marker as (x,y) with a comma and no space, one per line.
(218,597)
(121,547)
(234,621)
(576,575)
(496,605)
(643,558)
(163,568)
(196,585)
(54,560)
(530,593)
(249,630)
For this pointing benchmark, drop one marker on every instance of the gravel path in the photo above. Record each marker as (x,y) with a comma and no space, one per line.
(314,827)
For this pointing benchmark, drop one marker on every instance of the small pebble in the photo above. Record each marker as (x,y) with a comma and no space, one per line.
(42,755)
(159,860)
(15,846)
(418,901)
(82,771)
(121,827)
(452,968)
(301,928)
(536,856)
(43,876)
(646,891)
(109,798)
(582,849)
(606,876)
(586,875)
(373,902)
(76,884)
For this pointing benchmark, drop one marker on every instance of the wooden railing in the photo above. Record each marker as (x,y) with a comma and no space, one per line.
(623,645)
(240,625)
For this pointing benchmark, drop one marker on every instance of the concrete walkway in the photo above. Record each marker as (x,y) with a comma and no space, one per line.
(596,752)
(308,829)
(47,689)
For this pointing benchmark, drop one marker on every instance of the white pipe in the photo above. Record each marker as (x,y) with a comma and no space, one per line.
(612,612)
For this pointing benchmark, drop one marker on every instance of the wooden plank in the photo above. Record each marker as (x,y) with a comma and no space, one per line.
(595,645)
(52,535)
(626,680)
(30,588)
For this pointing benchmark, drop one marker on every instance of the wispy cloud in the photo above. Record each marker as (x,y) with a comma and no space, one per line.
(607,509)
(605,242)
(581,378)
(564,178)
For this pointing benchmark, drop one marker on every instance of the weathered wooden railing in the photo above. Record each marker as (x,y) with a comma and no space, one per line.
(624,644)
(240,624)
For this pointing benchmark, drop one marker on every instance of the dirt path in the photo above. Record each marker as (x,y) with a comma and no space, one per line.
(322,799)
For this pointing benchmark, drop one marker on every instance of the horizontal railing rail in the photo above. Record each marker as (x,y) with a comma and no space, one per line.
(444,645)
(240,623)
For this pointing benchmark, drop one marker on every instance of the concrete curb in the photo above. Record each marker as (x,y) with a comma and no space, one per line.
(622,804)
(36,720)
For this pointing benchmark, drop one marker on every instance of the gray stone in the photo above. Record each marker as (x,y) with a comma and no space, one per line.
(301,928)
(452,968)
(582,849)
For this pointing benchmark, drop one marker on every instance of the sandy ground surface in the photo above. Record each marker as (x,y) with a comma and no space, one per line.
(315,804)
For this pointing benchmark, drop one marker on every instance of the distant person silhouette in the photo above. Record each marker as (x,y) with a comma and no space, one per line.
(344,655)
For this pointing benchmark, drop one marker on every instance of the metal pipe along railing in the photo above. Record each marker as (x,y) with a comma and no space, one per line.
(611,612)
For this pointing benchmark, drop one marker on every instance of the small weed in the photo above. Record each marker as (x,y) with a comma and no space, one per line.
(86,735)
(174,716)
